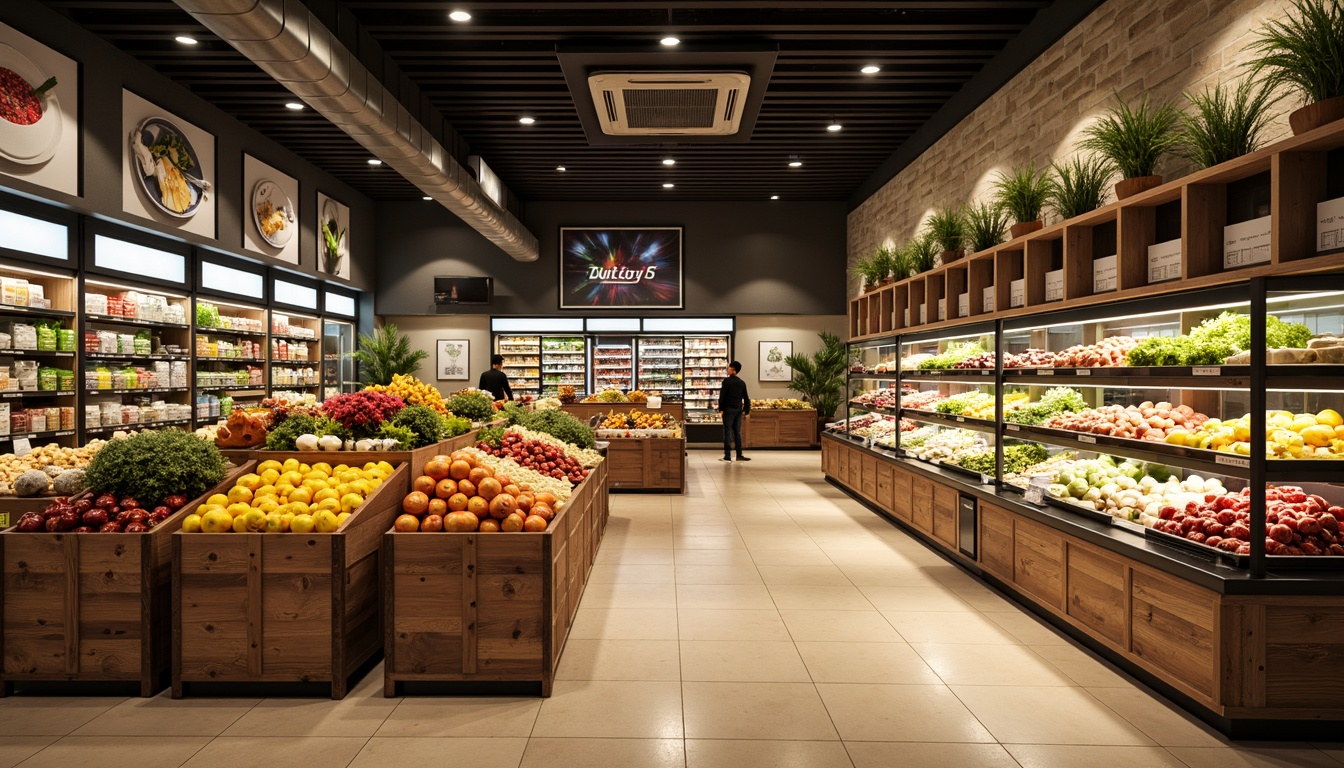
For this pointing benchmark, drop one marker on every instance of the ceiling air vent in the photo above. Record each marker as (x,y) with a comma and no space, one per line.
(669,103)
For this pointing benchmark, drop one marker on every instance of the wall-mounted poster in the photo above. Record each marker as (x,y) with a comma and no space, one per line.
(453,360)
(773,355)
(333,237)
(168,175)
(271,218)
(614,268)
(39,113)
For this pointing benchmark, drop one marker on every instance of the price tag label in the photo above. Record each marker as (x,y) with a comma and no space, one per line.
(23,446)
(1233,461)
(1013,428)
(1045,371)
(1206,370)
(1083,372)
(961,419)
(1087,439)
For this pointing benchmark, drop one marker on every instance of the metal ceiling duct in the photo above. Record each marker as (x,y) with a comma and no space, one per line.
(292,46)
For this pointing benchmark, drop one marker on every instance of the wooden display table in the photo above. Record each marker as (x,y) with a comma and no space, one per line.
(1250,656)
(586,411)
(647,463)
(778,428)
(472,607)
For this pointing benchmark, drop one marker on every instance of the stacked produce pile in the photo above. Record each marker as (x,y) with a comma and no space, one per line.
(920,401)
(979,405)
(1056,400)
(1030,358)
(637,419)
(40,468)
(887,365)
(1128,490)
(982,362)
(289,497)
(608,395)
(1047,468)
(949,445)
(1296,523)
(368,420)
(1215,341)
(547,404)
(1106,353)
(912,362)
(542,456)
(955,353)
(874,398)
(1291,435)
(467,492)
(586,457)
(565,393)
(1016,458)
(558,424)
(782,404)
(1145,421)
(413,391)
(637,396)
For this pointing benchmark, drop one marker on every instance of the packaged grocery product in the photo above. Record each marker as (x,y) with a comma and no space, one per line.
(65,379)
(4,419)
(46,337)
(67,417)
(37,420)
(4,377)
(48,380)
(24,335)
(6,341)
(95,304)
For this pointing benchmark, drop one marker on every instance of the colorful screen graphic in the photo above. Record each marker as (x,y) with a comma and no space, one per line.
(620,268)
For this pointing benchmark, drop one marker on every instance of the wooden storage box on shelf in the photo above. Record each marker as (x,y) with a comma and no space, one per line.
(282,608)
(472,607)
(777,428)
(91,607)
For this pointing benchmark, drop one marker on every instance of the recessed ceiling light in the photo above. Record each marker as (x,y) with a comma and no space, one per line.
(427,197)
(670,41)
(834,126)
(527,120)
(795,163)
(460,16)
(871,69)
(560,168)
(668,185)
(183,39)
(669,161)
(375,161)
(774,197)
(294,105)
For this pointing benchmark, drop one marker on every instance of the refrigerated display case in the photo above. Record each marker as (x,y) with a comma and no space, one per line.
(564,362)
(706,360)
(613,363)
(522,362)
(661,366)
(338,358)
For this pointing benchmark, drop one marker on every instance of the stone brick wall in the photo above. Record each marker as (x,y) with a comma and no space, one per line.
(1127,46)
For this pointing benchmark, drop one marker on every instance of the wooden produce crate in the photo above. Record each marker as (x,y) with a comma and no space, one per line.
(90,607)
(282,608)
(472,607)
(778,428)
(647,464)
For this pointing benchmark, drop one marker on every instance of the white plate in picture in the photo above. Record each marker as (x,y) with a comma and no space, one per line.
(273,210)
(331,211)
(157,131)
(35,143)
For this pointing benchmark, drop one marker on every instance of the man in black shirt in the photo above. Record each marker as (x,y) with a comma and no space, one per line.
(496,381)
(734,403)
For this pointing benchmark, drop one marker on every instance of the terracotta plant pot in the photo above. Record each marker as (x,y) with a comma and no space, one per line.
(869,288)
(888,280)
(1316,115)
(1024,228)
(1130,187)
(947,257)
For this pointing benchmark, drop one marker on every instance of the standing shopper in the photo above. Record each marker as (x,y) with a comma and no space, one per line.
(496,381)
(734,403)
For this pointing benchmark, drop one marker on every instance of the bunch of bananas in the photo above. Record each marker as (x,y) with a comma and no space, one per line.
(413,391)
(635,419)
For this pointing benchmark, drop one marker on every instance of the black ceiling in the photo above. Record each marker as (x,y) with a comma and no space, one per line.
(482,75)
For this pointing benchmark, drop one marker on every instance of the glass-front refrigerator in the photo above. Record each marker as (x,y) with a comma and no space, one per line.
(338,358)
(522,362)
(613,363)
(706,359)
(660,366)
(564,362)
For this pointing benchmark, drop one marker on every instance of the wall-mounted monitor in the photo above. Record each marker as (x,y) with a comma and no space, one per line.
(620,268)
(451,290)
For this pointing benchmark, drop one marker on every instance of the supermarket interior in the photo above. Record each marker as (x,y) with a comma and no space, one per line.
(698,383)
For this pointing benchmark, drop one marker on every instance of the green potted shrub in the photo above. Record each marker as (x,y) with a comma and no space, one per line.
(385,354)
(1134,139)
(863,269)
(1023,193)
(1305,51)
(923,253)
(902,263)
(883,263)
(986,224)
(820,377)
(1080,185)
(947,228)
(1227,122)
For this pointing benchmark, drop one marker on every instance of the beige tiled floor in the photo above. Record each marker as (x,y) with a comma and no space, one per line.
(764,619)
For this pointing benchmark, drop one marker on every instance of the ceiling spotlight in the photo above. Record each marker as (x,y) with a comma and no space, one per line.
(668,185)
(795,163)
(375,161)
(527,120)
(183,39)
(774,197)
(427,197)
(670,41)
(560,168)
(834,126)
(294,105)
(669,161)
(871,69)
(460,16)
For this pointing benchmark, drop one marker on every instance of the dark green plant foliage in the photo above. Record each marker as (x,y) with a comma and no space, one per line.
(820,378)
(559,424)
(472,405)
(1134,138)
(152,465)
(947,228)
(282,436)
(426,424)
(385,354)
(864,269)
(455,425)
(986,226)
(1024,192)
(923,253)
(1081,184)
(1227,123)
(884,261)
(403,435)
(902,262)
(1304,51)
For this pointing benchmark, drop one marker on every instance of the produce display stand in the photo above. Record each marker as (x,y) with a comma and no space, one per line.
(497,607)
(416,457)
(586,411)
(13,507)
(90,607)
(282,608)
(780,428)
(647,463)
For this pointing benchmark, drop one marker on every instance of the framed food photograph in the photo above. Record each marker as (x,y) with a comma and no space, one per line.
(772,365)
(168,173)
(39,113)
(270,212)
(453,359)
(333,237)
(620,268)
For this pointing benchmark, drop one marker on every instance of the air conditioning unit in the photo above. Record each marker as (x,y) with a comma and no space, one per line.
(669,103)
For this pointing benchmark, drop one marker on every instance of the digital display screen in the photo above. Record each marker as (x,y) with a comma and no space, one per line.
(463,290)
(614,268)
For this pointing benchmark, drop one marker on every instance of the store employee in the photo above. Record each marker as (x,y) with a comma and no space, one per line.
(734,403)
(496,381)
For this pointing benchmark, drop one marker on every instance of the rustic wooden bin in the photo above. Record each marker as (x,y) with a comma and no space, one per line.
(282,608)
(90,607)
(647,463)
(471,607)
(778,428)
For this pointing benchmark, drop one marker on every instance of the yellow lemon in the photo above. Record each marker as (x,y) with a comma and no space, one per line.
(1302,421)
(342,489)
(269,505)
(322,467)
(361,487)
(349,476)
(325,521)
(1330,417)
(265,490)
(302,524)
(298,507)
(240,524)
(385,467)
(207,507)
(249,481)
(218,499)
(275,523)
(332,504)
(304,469)
(351,502)
(341,518)
(192,524)
(291,477)
(1318,435)
(269,465)
(284,489)
(290,465)
(238,509)
(304,495)
(375,482)
(255,519)
(216,521)
(340,468)
(240,493)
(311,475)
(370,464)
(326,493)
(288,517)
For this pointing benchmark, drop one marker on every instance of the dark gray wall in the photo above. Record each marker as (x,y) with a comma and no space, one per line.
(105,71)
(738,258)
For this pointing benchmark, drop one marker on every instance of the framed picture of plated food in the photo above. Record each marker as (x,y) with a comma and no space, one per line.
(168,173)
(271,211)
(333,237)
(39,113)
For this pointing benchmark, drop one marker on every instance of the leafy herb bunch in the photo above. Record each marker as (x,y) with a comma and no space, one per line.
(150,466)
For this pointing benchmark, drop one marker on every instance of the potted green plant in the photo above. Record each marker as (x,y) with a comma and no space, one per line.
(863,269)
(1134,139)
(820,378)
(1305,51)
(385,354)
(986,224)
(1080,185)
(902,263)
(1023,193)
(923,253)
(1227,122)
(883,263)
(947,228)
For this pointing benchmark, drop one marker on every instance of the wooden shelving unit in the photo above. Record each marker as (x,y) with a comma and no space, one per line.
(27,407)
(296,353)
(237,344)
